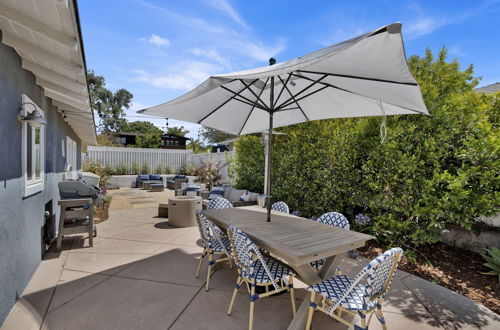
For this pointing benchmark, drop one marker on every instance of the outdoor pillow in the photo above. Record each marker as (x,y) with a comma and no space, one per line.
(227,192)
(253,197)
(216,192)
(246,196)
(235,195)
(143,177)
(154,177)
(170,181)
(180,177)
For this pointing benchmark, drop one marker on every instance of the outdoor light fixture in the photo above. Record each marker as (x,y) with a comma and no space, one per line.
(34,118)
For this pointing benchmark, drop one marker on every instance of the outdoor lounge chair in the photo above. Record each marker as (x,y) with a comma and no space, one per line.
(341,294)
(280,207)
(177,182)
(257,270)
(214,240)
(333,219)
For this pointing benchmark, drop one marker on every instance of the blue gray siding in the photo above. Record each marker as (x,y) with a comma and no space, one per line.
(22,218)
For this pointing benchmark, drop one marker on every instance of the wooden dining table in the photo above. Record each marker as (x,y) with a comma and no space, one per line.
(298,241)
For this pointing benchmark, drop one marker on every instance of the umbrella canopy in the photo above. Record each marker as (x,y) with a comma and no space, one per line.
(364,76)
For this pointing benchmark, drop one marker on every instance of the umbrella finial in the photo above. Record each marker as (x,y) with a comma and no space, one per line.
(272,61)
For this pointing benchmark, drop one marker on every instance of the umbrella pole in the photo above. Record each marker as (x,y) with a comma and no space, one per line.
(270,147)
(269,166)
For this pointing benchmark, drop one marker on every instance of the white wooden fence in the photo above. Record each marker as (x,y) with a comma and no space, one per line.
(130,157)
(153,158)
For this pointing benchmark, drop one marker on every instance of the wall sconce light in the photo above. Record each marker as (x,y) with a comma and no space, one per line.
(34,118)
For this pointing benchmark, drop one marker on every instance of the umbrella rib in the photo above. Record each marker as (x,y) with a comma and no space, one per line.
(348,91)
(243,97)
(314,82)
(253,107)
(281,92)
(257,96)
(361,78)
(293,97)
(225,102)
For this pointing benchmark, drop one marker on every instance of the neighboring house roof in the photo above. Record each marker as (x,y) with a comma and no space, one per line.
(127,133)
(489,89)
(176,136)
(47,37)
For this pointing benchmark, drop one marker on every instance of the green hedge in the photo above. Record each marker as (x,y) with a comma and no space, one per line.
(430,171)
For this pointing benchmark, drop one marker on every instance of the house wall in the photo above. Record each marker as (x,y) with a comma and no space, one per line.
(22,218)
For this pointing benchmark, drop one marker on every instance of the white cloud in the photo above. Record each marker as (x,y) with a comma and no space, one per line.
(185,76)
(156,40)
(228,10)
(211,54)
(457,51)
(257,50)
(424,26)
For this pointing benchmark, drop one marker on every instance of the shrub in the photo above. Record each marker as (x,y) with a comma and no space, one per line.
(169,169)
(208,174)
(158,169)
(431,171)
(121,169)
(135,169)
(145,168)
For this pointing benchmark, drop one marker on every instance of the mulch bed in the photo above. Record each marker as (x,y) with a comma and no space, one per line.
(101,213)
(456,269)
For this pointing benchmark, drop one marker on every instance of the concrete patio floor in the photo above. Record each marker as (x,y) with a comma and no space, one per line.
(140,275)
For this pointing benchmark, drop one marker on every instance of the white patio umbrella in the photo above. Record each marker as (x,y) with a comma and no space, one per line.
(364,76)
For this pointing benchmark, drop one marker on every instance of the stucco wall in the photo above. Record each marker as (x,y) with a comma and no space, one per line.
(22,218)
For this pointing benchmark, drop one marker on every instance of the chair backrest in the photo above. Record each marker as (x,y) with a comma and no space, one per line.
(379,274)
(219,203)
(242,249)
(203,226)
(334,219)
(280,207)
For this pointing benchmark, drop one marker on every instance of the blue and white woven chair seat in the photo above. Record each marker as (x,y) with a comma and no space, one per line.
(219,245)
(276,268)
(280,207)
(334,288)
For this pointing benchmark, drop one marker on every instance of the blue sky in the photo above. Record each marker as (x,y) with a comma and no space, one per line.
(159,50)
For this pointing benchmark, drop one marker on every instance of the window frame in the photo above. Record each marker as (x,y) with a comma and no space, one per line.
(33,185)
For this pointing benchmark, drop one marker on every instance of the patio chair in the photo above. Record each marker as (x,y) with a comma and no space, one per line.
(215,242)
(219,203)
(341,294)
(257,270)
(334,219)
(280,207)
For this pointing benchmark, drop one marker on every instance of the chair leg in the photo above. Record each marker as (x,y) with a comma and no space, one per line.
(292,295)
(311,310)
(380,317)
(199,263)
(235,292)
(252,303)
(363,322)
(210,265)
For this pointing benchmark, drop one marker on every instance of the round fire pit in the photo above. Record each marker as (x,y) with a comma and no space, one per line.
(181,210)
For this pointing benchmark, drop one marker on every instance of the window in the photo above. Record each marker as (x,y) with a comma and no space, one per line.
(71,169)
(123,140)
(33,156)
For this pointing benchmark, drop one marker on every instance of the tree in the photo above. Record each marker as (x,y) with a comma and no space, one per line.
(212,135)
(108,106)
(151,140)
(142,127)
(196,145)
(177,130)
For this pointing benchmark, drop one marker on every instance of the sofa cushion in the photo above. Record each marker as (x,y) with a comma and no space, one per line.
(246,196)
(227,192)
(154,177)
(143,177)
(179,177)
(253,197)
(235,195)
(216,192)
